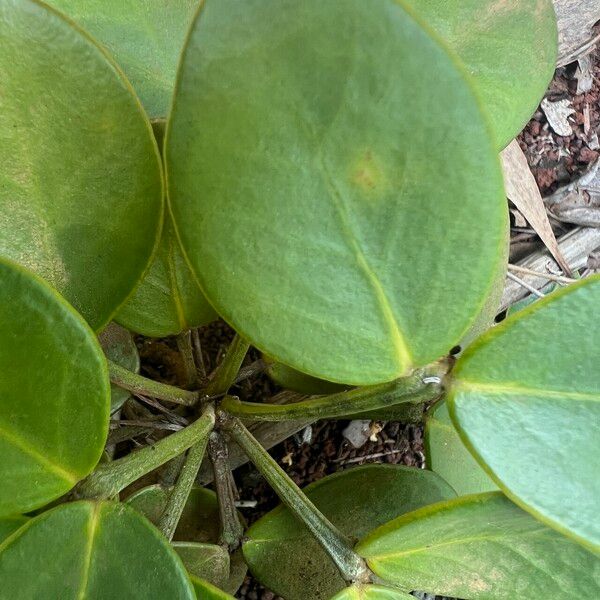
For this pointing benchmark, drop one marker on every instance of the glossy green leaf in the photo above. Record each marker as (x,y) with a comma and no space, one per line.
(282,554)
(207,591)
(80,184)
(144,36)
(371,592)
(509,48)
(199,523)
(119,346)
(94,551)
(168,301)
(206,561)
(526,401)
(322,157)
(8,525)
(448,456)
(54,393)
(481,547)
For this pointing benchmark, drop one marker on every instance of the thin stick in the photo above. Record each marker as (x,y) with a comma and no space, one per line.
(147,387)
(231,528)
(109,479)
(548,276)
(525,285)
(351,566)
(184,345)
(179,494)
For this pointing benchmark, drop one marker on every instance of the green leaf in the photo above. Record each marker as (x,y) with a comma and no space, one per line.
(93,551)
(144,36)
(480,547)
(526,402)
(207,591)
(8,525)
(371,592)
(282,554)
(119,346)
(206,561)
(54,393)
(448,456)
(199,523)
(308,152)
(509,47)
(168,301)
(80,184)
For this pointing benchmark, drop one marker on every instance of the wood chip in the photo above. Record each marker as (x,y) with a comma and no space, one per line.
(558,114)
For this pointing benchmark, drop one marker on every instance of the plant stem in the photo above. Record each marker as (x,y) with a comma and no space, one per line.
(108,480)
(407,389)
(199,358)
(181,490)
(142,385)
(184,345)
(351,566)
(225,374)
(231,528)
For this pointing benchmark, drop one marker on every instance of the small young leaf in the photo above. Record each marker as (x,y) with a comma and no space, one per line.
(448,456)
(282,554)
(526,401)
(54,393)
(119,346)
(81,188)
(144,36)
(322,158)
(371,592)
(206,561)
(509,48)
(93,551)
(168,300)
(481,547)
(207,591)
(199,523)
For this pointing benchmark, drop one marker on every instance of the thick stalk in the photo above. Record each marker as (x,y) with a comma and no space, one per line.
(142,385)
(408,389)
(351,566)
(108,480)
(231,528)
(225,374)
(181,490)
(184,345)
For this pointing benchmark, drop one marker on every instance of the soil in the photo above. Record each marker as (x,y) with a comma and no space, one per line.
(555,160)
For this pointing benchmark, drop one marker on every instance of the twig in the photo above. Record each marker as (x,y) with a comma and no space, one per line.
(525,285)
(184,345)
(548,276)
(146,424)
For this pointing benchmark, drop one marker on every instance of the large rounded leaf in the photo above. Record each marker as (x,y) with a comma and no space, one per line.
(480,547)
(144,36)
(168,300)
(54,393)
(371,592)
(448,456)
(8,525)
(334,184)
(283,555)
(526,401)
(92,551)
(206,561)
(80,183)
(509,47)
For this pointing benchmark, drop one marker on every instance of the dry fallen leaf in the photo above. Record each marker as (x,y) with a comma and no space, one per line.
(558,114)
(575,35)
(522,190)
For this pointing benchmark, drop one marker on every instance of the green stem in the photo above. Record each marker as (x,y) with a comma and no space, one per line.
(184,345)
(408,389)
(351,566)
(231,528)
(225,374)
(181,490)
(142,385)
(109,479)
